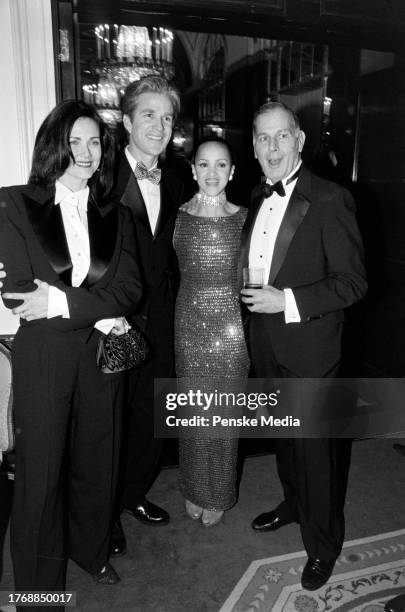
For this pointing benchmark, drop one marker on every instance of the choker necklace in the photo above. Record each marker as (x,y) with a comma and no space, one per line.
(206,200)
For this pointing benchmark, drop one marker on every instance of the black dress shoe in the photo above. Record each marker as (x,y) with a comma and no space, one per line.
(270,521)
(316,573)
(395,605)
(118,545)
(107,575)
(149,513)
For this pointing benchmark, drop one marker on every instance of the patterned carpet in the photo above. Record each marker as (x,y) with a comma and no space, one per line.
(369,572)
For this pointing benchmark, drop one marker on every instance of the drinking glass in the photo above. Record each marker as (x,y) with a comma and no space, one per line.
(253,278)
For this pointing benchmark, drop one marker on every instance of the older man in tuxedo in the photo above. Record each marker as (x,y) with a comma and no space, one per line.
(302,230)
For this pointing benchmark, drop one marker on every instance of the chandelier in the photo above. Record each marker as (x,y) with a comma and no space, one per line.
(125,54)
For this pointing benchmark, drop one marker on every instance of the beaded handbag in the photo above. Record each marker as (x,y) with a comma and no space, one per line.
(119,353)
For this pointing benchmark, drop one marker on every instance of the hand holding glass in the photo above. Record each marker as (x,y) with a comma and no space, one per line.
(253,278)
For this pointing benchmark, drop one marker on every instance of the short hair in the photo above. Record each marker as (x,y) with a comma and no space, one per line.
(149,84)
(53,154)
(217,140)
(270,106)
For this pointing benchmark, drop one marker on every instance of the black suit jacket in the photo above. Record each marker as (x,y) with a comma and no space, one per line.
(319,255)
(156,254)
(33,245)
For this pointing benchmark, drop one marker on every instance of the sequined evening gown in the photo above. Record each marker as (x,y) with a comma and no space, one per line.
(209,342)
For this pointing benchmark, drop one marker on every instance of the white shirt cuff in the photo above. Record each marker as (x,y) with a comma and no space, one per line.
(291,313)
(105,325)
(57,304)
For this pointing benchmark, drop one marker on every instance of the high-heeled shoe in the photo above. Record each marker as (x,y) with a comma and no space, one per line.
(193,510)
(211,517)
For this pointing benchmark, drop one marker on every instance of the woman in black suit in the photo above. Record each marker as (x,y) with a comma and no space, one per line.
(64,229)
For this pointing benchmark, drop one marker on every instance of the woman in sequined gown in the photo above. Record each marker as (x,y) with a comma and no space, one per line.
(209,340)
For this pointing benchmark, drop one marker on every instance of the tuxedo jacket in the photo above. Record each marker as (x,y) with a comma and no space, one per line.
(33,245)
(156,253)
(318,254)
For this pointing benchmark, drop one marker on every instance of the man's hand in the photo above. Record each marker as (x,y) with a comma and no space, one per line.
(35,304)
(266,300)
(2,274)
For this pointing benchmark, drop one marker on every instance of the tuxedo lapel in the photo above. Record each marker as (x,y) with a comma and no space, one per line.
(103,230)
(167,203)
(124,172)
(133,199)
(46,221)
(128,191)
(293,217)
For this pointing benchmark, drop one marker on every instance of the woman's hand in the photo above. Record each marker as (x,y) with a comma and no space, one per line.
(35,303)
(121,326)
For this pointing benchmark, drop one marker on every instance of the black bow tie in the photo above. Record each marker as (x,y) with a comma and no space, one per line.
(268,190)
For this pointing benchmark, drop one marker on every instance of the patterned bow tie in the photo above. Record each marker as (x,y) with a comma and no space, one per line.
(268,190)
(153,176)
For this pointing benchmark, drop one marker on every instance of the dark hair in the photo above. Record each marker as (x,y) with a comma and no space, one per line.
(149,84)
(217,140)
(52,153)
(270,106)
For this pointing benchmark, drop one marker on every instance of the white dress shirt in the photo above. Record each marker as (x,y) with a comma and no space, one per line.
(73,206)
(150,193)
(264,235)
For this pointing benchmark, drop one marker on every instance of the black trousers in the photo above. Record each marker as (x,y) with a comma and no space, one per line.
(142,449)
(68,422)
(313,473)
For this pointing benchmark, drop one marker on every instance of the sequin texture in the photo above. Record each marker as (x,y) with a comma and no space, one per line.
(209,342)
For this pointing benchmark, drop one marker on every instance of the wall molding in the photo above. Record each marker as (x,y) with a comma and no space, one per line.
(28,81)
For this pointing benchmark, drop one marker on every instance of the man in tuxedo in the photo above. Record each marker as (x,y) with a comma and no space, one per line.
(153,195)
(302,230)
